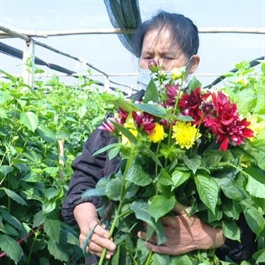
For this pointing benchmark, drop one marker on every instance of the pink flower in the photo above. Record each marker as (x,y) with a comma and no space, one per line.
(108,125)
(172,93)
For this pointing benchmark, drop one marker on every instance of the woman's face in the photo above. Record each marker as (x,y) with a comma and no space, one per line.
(156,46)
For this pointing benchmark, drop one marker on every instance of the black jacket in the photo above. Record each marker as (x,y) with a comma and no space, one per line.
(88,169)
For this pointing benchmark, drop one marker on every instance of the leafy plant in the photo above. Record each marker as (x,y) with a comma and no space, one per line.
(42,129)
(202,151)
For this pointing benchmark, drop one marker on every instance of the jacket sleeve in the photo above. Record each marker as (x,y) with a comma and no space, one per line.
(239,251)
(88,170)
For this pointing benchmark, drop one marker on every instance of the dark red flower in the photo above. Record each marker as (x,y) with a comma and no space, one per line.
(123,115)
(191,105)
(224,122)
(144,120)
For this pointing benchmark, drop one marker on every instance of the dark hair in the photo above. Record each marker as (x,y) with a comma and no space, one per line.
(183,32)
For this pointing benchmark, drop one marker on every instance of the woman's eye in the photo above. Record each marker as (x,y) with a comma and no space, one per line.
(168,58)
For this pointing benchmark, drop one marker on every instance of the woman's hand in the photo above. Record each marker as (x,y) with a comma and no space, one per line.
(87,217)
(184,234)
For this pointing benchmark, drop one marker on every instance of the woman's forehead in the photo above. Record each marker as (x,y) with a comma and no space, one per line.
(158,40)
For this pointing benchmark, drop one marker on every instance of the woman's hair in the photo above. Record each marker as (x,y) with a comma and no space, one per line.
(183,32)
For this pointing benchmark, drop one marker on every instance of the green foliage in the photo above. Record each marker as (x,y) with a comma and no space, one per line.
(35,172)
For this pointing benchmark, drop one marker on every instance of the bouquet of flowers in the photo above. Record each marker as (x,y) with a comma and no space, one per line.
(185,146)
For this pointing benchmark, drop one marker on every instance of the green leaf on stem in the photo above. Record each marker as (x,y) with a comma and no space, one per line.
(11,247)
(6,169)
(141,212)
(192,163)
(52,228)
(208,190)
(30,120)
(106,148)
(151,93)
(14,196)
(179,177)
(256,182)
(113,189)
(46,134)
(161,205)
(125,132)
(152,109)
(56,251)
(254,217)
(231,189)
(231,230)
(137,175)
(158,259)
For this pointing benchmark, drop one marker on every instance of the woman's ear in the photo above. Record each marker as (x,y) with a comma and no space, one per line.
(194,63)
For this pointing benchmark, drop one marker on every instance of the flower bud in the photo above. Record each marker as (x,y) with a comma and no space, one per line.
(177,73)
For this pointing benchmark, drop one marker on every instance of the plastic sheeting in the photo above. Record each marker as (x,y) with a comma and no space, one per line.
(124,14)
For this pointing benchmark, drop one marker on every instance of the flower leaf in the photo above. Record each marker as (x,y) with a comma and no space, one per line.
(179,177)
(137,175)
(181,259)
(192,163)
(231,189)
(6,169)
(231,230)
(52,229)
(30,120)
(46,134)
(161,205)
(254,217)
(14,196)
(208,191)
(259,256)
(121,103)
(106,148)
(158,259)
(151,93)
(256,182)
(140,209)
(125,132)
(113,189)
(153,156)
(152,109)
(11,247)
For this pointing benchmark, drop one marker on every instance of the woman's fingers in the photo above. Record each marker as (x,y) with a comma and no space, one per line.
(99,240)
(143,236)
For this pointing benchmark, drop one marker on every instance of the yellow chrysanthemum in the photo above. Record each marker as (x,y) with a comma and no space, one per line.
(158,134)
(185,134)
(129,124)
(255,125)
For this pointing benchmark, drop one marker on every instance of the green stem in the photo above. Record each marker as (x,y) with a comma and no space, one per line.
(149,258)
(173,115)
(30,252)
(118,213)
